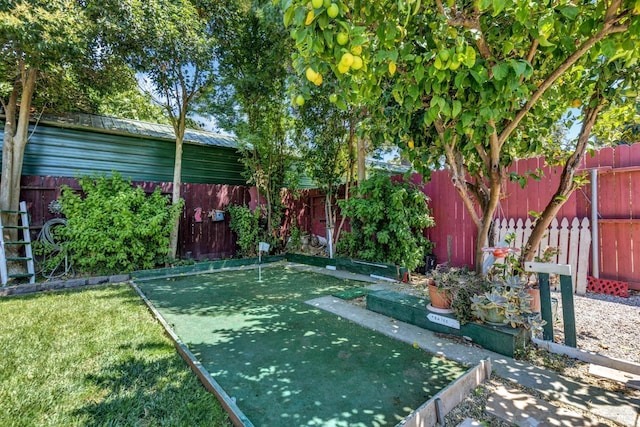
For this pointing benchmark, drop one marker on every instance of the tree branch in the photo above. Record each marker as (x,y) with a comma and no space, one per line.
(608,29)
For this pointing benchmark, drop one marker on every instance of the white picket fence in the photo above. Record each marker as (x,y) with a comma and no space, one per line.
(574,244)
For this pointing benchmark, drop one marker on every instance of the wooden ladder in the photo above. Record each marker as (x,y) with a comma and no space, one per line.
(25,241)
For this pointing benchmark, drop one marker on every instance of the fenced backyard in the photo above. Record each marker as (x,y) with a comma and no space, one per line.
(618,212)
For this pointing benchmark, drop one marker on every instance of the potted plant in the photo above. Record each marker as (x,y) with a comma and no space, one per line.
(444,284)
(507,302)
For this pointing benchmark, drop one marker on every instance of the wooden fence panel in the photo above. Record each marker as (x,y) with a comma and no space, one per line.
(573,243)
(618,208)
(454,232)
(203,239)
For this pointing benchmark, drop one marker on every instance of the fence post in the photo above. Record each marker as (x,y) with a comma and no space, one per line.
(566,288)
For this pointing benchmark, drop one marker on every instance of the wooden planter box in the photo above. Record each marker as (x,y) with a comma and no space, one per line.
(410,309)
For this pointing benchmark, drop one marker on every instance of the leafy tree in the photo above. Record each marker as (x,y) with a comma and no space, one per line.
(387,222)
(254,51)
(470,82)
(621,123)
(172,43)
(38,38)
(325,133)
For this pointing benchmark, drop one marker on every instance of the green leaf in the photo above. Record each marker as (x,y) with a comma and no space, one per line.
(480,75)
(520,67)
(397,96)
(414,91)
(459,80)
(507,47)
(418,73)
(469,57)
(484,4)
(288,16)
(500,71)
(571,12)
(545,25)
(457,108)
(498,6)
(467,118)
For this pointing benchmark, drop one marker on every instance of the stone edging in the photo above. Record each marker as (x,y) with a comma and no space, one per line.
(62,284)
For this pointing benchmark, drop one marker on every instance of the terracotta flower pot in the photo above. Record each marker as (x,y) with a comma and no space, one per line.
(440,298)
(535,302)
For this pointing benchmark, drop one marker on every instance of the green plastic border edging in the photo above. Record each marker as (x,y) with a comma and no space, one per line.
(390,271)
(352,293)
(202,267)
(316,261)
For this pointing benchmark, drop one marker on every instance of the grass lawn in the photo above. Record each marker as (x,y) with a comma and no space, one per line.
(94,357)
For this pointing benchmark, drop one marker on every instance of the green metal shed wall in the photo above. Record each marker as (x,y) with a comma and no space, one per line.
(54,151)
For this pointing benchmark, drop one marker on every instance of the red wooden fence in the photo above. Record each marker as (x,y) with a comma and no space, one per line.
(204,239)
(618,208)
(455,234)
(619,212)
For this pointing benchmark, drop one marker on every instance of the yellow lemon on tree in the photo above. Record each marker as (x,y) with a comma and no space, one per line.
(311,74)
(357,63)
(310,17)
(576,103)
(333,98)
(411,144)
(356,50)
(347,59)
(392,68)
(333,10)
(300,100)
(318,80)
(317,4)
(342,38)
(342,68)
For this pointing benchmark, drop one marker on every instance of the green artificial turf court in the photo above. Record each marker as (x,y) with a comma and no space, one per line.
(287,363)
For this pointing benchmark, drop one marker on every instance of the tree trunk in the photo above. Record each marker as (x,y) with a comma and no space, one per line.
(362,154)
(566,186)
(176,193)
(15,138)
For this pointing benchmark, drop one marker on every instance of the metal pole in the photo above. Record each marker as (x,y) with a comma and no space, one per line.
(595,243)
(259,266)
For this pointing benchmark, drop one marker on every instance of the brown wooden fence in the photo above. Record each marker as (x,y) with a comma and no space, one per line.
(199,237)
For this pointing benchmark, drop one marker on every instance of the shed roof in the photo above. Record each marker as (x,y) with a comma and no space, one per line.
(137,128)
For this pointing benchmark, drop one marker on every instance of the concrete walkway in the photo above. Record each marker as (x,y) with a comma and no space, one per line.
(552,386)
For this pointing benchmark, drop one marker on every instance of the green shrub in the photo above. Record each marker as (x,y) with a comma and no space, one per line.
(115,227)
(387,222)
(246,224)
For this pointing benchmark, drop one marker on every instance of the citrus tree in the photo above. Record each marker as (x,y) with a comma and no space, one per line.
(473,83)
